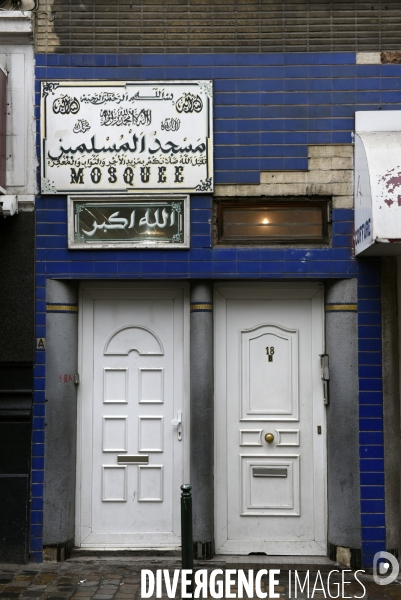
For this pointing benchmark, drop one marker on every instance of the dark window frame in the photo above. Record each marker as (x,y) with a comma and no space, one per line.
(267,203)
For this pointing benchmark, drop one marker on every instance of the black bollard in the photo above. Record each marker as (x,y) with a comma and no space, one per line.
(186,530)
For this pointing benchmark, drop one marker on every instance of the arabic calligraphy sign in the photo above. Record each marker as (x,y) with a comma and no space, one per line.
(146,222)
(127,137)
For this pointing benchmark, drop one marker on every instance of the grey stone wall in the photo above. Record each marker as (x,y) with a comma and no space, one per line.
(344,515)
(61,416)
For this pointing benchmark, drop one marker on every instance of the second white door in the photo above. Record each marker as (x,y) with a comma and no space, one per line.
(270,419)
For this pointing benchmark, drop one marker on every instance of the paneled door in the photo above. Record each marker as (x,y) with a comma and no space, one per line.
(270,419)
(133,421)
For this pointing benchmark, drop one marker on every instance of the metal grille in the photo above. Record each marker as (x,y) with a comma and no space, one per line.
(219,26)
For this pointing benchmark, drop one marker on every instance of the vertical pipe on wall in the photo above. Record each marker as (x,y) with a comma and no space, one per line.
(202,432)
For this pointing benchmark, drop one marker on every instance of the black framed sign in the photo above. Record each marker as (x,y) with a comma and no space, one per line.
(143,222)
(126,137)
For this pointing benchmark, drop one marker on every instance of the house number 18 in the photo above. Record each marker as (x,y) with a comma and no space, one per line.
(270,352)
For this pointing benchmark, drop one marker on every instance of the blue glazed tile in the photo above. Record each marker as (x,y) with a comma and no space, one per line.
(295,112)
(374,533)
(38,437)
(37,504)
(368,83)
(390,70)
(371,425)
(248,267)
(296,267)
(296,137)
(272,267)
(41,60)
(296,163)
(319,112)
(201,255)
(196,267)
(319,137)
(272,112)
(368,292)
(323,267)
(99,60)
(319,98)
(224,267)
(369,305)
(224,254)
(247,125)
(370,397)
(371,452)
(319,71)
(370,385)
(369,345)
(295,98)
(369,410)
(371,437)
(224,72)
(270,85)
(319,85)
(367,98)
(38,463)
(201,241)
(36,557)
(372,492)
(373,520)
(295,85)
(369,318)
(248,72)
(200,59)
(369,331)
(371,371)
(272,72)
(37,517)
(36,530)
(37,476)
(372,506)
(36,544)
(38,423)
(295,72)
(247,254)
(343,58)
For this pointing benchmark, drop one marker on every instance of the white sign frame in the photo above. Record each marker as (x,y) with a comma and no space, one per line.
(118,201)
(126,137)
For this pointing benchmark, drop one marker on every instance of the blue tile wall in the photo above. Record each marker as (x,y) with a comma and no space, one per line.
(267,108)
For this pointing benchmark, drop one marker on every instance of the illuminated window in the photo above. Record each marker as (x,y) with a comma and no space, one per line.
(272,221)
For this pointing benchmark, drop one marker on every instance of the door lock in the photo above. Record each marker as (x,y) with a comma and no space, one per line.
(177,423)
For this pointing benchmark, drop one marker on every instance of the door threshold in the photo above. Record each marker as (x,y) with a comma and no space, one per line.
(110,552)
(284,563)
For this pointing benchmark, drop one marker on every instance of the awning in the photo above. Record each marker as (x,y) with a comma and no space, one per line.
(378,183)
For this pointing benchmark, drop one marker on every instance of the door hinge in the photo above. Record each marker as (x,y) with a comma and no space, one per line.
(325,374)
(76,379)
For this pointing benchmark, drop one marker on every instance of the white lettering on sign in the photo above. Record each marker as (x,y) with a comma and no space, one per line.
(127,137)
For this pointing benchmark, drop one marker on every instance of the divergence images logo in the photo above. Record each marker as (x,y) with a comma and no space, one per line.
(385,568)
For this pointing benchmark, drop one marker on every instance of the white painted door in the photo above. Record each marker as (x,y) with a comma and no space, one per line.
(270,497)
(134,353)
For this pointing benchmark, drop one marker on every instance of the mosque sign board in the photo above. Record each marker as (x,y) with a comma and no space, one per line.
(143,221)
(127,137)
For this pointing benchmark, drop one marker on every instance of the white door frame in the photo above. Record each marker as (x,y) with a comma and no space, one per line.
(259,290)
(115,290)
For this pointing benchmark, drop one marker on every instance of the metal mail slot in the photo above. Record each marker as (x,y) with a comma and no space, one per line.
(269,471)
(133,459)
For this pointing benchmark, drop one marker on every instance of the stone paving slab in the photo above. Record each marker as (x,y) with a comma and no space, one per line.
(119,579)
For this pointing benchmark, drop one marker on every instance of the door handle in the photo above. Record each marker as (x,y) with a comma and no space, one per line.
(177,423)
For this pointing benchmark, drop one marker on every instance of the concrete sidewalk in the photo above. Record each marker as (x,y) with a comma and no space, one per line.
(118,578)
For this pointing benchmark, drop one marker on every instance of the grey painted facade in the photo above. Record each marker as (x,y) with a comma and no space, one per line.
(344,513)
(61,417)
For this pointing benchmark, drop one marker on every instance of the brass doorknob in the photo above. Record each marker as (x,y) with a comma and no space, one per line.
(269,437)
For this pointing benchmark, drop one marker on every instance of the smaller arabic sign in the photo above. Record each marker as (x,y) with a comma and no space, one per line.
(141,223)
